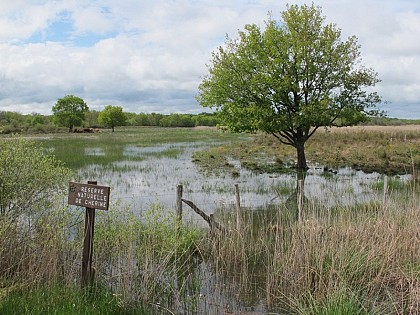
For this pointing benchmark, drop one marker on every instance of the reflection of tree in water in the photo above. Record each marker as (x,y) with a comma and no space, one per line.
(296,199)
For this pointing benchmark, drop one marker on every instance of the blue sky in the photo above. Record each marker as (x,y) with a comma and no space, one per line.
(150,56)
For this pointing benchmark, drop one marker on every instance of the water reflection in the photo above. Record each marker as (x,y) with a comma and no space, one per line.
(153,178)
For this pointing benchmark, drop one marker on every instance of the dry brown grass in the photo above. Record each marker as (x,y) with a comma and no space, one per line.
(388,129)
(372,253)
(384,149)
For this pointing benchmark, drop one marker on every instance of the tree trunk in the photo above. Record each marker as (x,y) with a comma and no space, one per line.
(301,158)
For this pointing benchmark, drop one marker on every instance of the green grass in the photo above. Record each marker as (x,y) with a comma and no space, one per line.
(341,303)
(394,184)
(107,147)
(65,301)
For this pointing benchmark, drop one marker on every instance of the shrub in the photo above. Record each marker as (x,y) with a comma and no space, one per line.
(29,179)
(31,184)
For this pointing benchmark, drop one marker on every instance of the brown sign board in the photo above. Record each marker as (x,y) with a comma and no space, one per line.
(88,195)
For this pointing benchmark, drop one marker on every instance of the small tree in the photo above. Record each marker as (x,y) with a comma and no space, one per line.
(112,116)
(32,187)
(29,179)
(290,79)
(69,111)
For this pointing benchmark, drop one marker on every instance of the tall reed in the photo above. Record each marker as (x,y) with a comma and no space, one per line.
(367,255)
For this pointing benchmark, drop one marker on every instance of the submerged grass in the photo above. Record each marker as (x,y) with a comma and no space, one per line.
(107,147)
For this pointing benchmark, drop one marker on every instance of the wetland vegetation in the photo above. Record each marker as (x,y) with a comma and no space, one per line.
(351,253)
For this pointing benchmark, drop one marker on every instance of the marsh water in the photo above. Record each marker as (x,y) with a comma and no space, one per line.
(152,180)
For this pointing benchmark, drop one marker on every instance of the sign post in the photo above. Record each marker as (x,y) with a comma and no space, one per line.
(92,197)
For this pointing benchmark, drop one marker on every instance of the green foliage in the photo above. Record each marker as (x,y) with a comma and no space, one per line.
(206,119)
(65,300)
(341,303)
(29,179)
(177,120)
(32,186)
(289,79)
(12,122)
(164,235)
(172,120)
(112,116)
(157,234)
(394,184)
(69,111)
(91,118)
(38,119)
(153,246)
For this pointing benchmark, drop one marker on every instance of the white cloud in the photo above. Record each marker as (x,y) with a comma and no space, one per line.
(93,19)
(19,20)
(150,55)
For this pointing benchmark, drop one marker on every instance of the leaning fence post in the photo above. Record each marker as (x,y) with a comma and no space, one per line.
(238,207)
(212,223)
(300,197)
(179,190)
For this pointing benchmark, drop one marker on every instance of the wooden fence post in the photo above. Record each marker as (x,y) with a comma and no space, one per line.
(179,190)
(238,208)
(87,271)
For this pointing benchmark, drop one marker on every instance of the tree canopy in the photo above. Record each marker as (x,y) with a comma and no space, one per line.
(289,79)
(69,111)
(112,116)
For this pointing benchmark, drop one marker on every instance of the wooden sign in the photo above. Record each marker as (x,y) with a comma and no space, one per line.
(89,196)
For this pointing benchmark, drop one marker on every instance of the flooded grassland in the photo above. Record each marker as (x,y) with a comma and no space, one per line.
(144,165)
(355,246)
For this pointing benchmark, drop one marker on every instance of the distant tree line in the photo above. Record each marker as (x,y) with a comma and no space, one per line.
(387,121)
(71,113)
(171,120)
(13,122)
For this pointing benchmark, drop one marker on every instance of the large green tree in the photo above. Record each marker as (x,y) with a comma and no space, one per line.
(112,116)
(290,79)
(69,111)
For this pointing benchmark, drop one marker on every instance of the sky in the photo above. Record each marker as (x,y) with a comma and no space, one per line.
(151,55)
